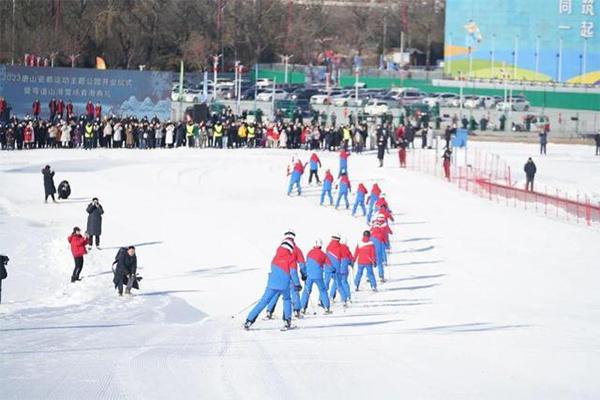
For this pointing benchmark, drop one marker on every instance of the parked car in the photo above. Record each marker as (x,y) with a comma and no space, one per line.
(446,98)
(264,82)
(324,97)
(303,93)
(473,102)
(514,104)
(491,101)
(379,106)
(410,97)
(432,99)
(269,95)
(192,95)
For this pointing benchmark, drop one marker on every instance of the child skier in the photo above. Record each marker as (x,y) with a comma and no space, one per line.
(315,164)
(295,295)
(296,176)
(343,162)
(316,261)
(341,282)
(326,190)
(344,189)
(371,200)
(365,256)
(283,274)
(359,200)
(334,252)
(379,232)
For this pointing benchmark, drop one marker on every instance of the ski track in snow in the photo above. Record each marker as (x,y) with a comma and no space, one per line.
(207,222)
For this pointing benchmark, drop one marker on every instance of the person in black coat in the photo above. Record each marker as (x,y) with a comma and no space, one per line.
(49,187)
(597,139)
(125,270)
(382,139)
(3,274)
(94,222)
(530,170)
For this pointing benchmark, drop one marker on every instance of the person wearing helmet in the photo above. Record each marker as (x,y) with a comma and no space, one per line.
(378,228)
(294,293)
(364,255)
(359,200)
(296,175)
(283,274)
(334,253)
(340,284)
(316,261)
(326,190)
(344,188)
(371,200)
(343,162)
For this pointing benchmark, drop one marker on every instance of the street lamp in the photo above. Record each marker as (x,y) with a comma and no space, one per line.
(286,60)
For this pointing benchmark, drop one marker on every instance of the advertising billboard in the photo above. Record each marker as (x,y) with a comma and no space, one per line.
(120,92)
(535,40)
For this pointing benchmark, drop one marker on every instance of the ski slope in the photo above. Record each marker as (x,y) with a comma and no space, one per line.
(482,301)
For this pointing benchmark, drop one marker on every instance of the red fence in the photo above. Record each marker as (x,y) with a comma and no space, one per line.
(490,177)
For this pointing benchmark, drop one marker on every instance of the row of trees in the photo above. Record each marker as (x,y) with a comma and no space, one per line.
(158,33)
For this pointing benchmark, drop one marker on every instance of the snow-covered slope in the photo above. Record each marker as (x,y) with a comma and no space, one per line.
(482,301)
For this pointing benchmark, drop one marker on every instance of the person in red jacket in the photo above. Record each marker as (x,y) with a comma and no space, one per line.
(402,152)
(78,250)
(365,257)
(60,108)
(326,189)
(296,176)
(89,110)
(98,111)
(343,162)
(70,112)
(315,164)
(36,109)
(359,201)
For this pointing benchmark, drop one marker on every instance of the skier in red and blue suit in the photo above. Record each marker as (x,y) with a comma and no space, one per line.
(326,190)
(340,284)
(295,295)
(343,162)
(316,261)
(379,236)
(374,196)
(359,201)
(296,176)
(334,252)
(315,164)
(283,274)
(344,188)
(365,257)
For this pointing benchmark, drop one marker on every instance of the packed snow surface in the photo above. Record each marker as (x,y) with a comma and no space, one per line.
(482,300)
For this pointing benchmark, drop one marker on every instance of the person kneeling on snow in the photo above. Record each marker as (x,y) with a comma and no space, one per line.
(125,271)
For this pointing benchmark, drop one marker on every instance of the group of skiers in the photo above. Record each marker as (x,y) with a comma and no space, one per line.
(329,270)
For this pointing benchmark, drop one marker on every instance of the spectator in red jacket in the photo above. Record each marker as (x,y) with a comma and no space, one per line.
(70,112)
(60,108)
(36,109)
(89,110)
(98,111)
(78,250)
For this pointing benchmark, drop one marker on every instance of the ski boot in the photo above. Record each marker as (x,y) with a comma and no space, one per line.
(287,325)
(328,311)
(269,314)
(247,325)
(346,304)
(297,314)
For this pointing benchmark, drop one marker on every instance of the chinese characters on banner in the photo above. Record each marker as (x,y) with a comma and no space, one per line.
(587,10)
